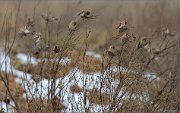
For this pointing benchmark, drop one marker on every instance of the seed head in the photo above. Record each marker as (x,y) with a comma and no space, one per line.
(122,26)
(30,23)
(49,18)
(125,38)
(142,43)
(7,100)
(72,25)
(24,32)
(56,49)
(86,15)
(111,52)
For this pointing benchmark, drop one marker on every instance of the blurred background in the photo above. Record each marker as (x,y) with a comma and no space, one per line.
(144,17)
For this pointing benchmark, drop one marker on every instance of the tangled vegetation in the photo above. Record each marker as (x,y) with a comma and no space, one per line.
(103,60)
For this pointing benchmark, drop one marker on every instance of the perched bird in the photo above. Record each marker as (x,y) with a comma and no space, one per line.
(48,18)
(72,25)
(122,26)
(56,49)
(24,32)
(86,15)
(125,38)
(111,52)
(142,43)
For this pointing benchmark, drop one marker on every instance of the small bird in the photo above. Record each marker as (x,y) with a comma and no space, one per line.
(122,26)
(142,43)
(86,15)
(125,38)
(49,18)
(56,49)
(72,25)
(24,32)
(111,52)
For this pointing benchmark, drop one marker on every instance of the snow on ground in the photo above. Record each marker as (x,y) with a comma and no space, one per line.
(70,100)
(7,108)
(151,76)
(93,54)
(27,59)
(73,101)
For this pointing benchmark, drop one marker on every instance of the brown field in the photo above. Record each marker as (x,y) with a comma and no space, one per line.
(134,66)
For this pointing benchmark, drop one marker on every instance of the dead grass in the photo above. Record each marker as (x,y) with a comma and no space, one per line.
(95,97)
(41,106)
(45,69)
(76,89)
(135,106)
(88,64)
(118,76)
(15,89)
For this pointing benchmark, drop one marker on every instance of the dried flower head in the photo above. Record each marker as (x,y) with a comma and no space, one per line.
(37,37)
(30,23)
(49,18)
(2,110)
(72,25)
(142,43)
(7,100)
(36,53)
(56,49)
(24,32)
(166,32)
(125,38)
(86,15)
(122,26)
(111,52)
